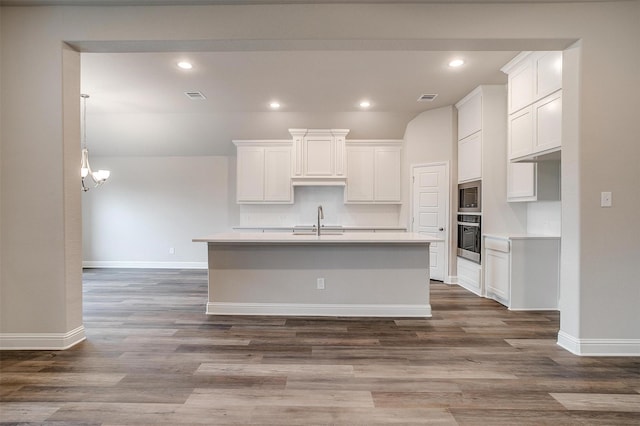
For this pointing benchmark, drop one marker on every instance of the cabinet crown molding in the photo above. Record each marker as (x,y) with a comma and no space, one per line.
(332,132)
(515,62)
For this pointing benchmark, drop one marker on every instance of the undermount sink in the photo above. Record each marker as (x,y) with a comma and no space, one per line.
(324,230)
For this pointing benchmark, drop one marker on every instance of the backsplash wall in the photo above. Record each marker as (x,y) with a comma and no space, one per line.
(544,217)
(304,210)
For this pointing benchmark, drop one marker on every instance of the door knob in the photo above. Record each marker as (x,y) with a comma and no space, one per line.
(440,229)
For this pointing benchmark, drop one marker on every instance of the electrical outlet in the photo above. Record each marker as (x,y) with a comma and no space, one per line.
(172,250)
(605,199)
(320,284)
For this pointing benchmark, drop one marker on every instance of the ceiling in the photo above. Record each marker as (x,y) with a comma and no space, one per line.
(227,2)
(138,106)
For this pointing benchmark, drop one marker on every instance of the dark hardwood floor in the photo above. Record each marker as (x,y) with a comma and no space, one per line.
(153,357)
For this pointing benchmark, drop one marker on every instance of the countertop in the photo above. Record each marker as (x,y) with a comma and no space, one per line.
(522,236)
(343,227)
(291,239)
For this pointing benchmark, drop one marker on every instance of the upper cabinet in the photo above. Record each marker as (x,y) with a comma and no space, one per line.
(470,137)
(469,115)
(264,172)
(535,104)
(532,76)
(481,117)
(534,125)
(373,171)
(370,170)
(319,156)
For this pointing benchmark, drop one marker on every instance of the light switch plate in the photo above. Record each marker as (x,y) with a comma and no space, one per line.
(605,199)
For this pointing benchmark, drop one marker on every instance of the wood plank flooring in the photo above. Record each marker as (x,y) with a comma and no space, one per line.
(153,357)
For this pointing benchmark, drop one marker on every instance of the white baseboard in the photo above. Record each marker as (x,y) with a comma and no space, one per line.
(143,265)
(308,309)
(599,347)
(41,341)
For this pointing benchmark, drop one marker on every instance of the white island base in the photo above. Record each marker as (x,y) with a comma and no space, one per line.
(375,275)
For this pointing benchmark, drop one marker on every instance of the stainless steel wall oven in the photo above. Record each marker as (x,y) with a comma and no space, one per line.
(469,236)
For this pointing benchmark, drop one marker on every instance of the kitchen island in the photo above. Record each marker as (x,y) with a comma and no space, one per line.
(359,274)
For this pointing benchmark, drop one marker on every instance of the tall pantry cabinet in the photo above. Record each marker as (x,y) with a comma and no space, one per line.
(481,156)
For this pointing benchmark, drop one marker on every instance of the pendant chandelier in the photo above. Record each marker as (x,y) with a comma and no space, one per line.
(100,176)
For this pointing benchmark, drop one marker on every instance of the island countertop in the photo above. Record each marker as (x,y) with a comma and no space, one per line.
(346,238)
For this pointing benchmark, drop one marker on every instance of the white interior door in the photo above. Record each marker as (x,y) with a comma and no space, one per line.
(430,205)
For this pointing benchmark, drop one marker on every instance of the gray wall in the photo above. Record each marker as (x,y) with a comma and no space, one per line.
(39,251)
(151,204)
(431,138)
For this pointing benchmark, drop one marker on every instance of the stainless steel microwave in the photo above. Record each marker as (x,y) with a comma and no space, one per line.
(470,196)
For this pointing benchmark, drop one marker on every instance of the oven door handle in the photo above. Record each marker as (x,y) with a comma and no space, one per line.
(475,225)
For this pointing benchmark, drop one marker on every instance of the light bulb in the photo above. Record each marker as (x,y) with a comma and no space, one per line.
(456,63)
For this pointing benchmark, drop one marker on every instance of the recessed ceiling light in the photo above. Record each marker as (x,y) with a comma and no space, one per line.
(456,63)
(274,105)
(185,65)
(365,104)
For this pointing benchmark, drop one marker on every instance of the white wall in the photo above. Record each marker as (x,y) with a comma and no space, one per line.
(431,138)
(151,204)
(304,210)
(544,217)
(599,273)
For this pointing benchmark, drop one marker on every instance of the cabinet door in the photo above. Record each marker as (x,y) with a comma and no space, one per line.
(521,86)
(548,118)
(470,158)
(360,174)
(470,116)
(250,174)
(521,133)
(318,155)
(548,67)
(387,174)
(497,275)
(277,174)
(521,182)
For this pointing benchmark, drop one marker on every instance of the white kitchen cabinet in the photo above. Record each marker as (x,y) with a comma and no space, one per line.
(520,133)
(531,77)
(263,172)
(470,275)
(360,174)
(319,154)
(547,114)
(388,185)
(374,171)
(470,115)
(277,174)
(470,158)
(521,182)
(533,181)
(535,104)
(520,82)
(522,272)
(497,258)
(535,126)
(476,119)
(548,73)
(250,174)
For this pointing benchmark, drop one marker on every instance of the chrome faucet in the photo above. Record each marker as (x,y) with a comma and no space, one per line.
(320,216)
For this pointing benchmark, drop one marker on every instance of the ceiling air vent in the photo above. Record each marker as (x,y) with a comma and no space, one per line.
(427,97)
(195,96)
